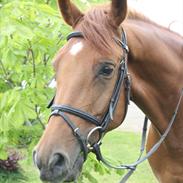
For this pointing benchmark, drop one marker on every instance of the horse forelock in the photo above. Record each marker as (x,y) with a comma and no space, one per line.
(98,30)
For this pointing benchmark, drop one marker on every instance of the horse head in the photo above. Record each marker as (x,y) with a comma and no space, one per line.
(89,69)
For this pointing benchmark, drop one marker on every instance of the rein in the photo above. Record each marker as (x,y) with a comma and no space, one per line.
(102,124)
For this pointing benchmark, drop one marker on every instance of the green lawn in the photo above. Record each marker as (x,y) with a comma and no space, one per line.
(124,146)
(121,146)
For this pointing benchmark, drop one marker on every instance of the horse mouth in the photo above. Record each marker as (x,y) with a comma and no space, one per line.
(76,169)
(58,175)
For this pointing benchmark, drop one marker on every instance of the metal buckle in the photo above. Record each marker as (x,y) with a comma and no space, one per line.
(123,45)
(75,130)
(89,146)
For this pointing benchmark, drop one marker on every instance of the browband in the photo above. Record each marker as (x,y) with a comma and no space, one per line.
(75,34)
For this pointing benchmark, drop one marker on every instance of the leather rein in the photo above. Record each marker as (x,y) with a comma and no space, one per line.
(102,124)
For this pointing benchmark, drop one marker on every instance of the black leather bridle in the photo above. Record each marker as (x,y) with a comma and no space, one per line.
(102,124)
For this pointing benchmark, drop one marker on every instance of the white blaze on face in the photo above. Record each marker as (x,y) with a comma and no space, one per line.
(76,48)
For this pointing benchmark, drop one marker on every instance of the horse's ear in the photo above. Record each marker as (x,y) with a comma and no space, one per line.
(70,12)
(118,11)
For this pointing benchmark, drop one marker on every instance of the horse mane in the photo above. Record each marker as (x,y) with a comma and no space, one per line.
(100,33)
(133,14)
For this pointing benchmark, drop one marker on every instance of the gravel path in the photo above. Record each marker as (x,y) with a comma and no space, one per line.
(134,119)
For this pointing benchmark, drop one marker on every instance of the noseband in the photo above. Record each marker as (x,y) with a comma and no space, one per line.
(102,124)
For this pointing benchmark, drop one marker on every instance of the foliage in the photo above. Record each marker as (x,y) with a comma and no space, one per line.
(30,36)
(31,33)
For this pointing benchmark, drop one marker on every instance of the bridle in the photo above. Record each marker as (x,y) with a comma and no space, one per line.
(102,124)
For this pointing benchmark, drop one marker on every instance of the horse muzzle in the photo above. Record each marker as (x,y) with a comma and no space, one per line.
(59,168)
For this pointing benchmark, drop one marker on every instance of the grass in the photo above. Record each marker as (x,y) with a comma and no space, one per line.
(124,146)
(120,146)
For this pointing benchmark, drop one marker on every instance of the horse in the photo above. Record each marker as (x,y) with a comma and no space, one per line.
(90,67)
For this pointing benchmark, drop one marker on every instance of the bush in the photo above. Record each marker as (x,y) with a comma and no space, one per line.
(30,36)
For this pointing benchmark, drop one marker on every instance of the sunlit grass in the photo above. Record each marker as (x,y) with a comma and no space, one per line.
(120,146)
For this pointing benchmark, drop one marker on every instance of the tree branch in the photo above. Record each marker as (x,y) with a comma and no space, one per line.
(6,75)
(33,58)
(38,118)
(3,68)
(47,1)
(45,59)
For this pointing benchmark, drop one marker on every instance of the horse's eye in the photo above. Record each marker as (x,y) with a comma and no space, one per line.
(106,70)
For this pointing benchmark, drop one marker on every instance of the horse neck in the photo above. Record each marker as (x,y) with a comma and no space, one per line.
(155,64)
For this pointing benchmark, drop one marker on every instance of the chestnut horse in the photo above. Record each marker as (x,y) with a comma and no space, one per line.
(87,70)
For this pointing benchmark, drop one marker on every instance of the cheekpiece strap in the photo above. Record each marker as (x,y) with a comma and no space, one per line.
(124,41)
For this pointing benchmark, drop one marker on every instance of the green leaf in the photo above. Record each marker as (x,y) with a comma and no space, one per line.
(4,125)
(3,154)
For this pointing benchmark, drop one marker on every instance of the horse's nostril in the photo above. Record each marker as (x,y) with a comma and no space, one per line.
(58,160)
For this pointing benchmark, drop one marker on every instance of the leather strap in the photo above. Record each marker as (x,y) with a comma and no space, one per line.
(75,130)
(141,159)
(84,115)
(74,35)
